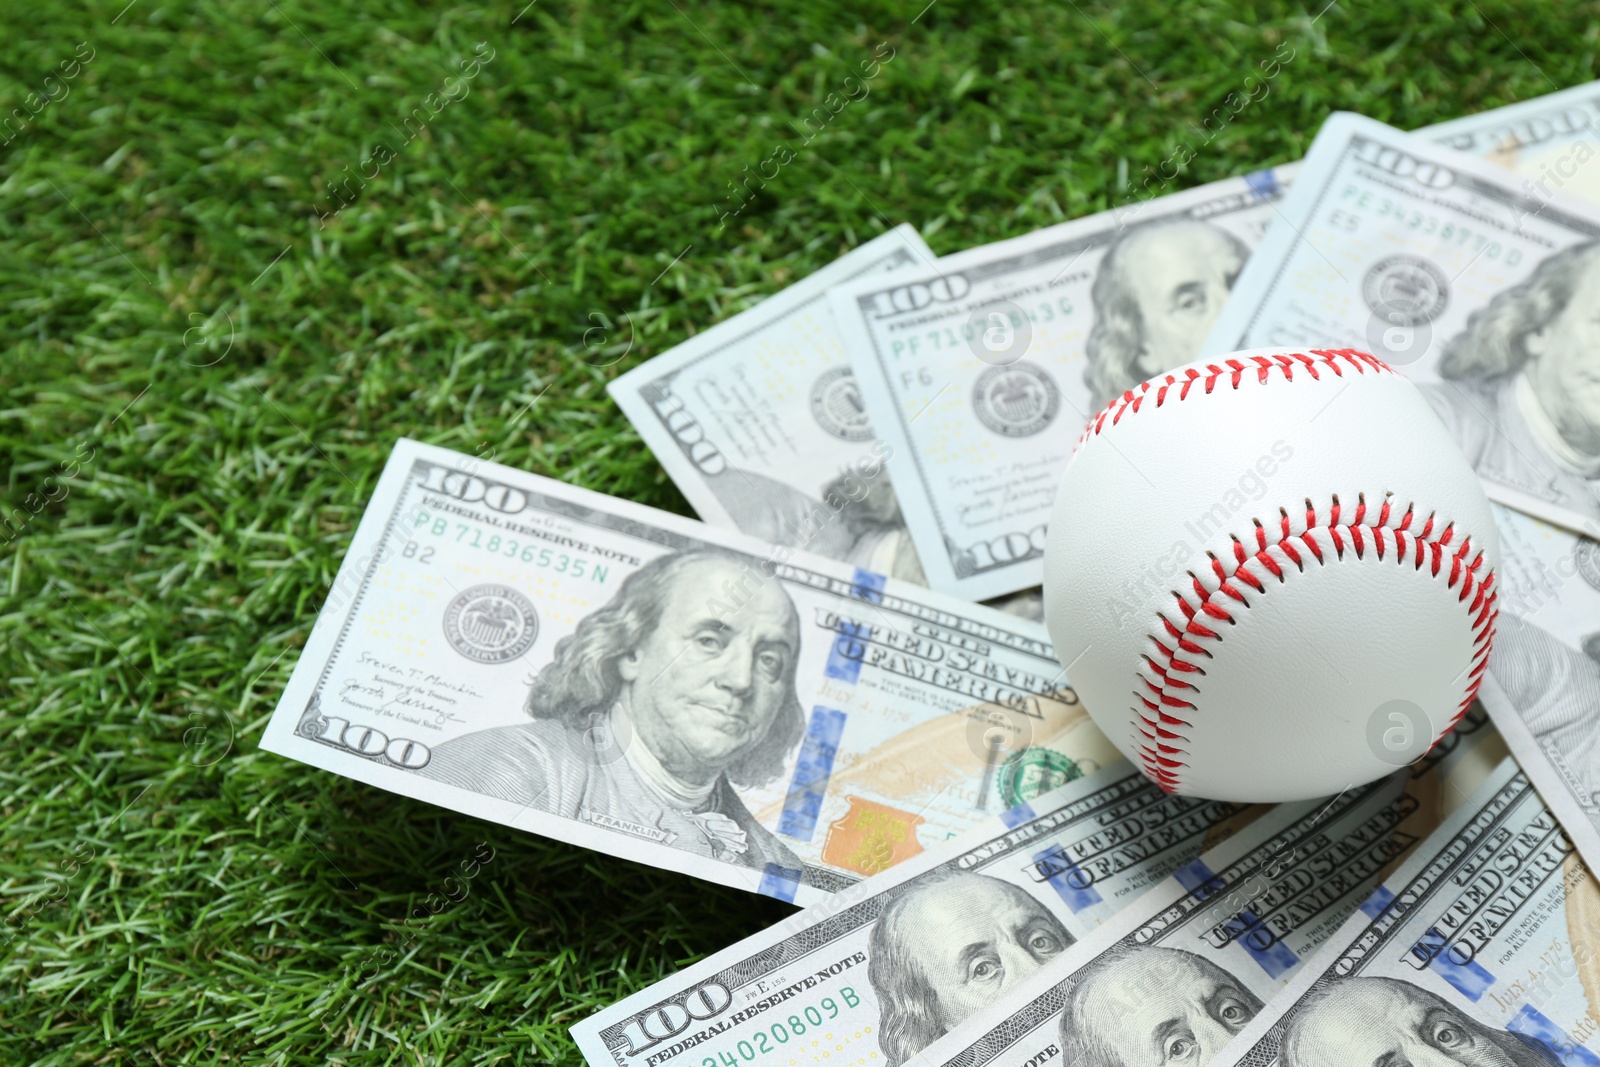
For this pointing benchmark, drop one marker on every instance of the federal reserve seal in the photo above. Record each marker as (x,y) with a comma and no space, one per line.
(491,623)
(1034,772)
(836,405)
(1016,400)
(1406,290)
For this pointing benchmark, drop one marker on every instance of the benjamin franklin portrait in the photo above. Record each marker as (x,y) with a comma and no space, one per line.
(1556,691)
(1156,294)
(1143,1005)
(653,710)
(947,944)
(1521,390)
(1386,1020)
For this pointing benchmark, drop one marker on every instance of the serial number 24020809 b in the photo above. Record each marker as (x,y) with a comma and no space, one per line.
(798,1037)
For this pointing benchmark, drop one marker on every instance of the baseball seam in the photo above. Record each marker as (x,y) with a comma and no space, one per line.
(1167,711)
(1233,372)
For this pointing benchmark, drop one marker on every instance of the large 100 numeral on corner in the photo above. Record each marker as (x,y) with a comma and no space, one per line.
(366,742)
(672,1018)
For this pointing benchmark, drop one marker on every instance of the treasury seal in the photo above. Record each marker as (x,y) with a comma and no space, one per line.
(1034,772)
(1406,290)
(1016,400)
(491,623)
(836,405)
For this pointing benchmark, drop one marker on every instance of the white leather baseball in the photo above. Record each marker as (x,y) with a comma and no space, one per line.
(1260,566)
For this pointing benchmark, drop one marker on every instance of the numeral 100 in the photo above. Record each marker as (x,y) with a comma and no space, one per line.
(365,741)
(783,1032)
(670,1019)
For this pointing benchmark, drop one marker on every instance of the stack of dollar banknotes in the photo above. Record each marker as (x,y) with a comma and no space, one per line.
(835,689)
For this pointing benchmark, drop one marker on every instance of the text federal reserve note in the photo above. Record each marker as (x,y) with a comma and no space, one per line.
(1476,283)
(980,370)
(1481,949)
(1174,976)
(973,918)
(759,423)
(599,672)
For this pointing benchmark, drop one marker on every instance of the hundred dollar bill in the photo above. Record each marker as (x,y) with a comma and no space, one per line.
(1481,949)
(974,917)
(1445,266)
(602,673)
(759,422)
(1175,975)
(980,370)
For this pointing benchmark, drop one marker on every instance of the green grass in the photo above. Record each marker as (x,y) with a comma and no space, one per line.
(171,894)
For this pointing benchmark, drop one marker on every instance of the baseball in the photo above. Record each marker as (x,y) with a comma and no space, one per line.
(1271,575)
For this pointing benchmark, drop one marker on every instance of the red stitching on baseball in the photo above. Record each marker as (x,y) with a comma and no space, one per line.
(1164,708)
(1284,364)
